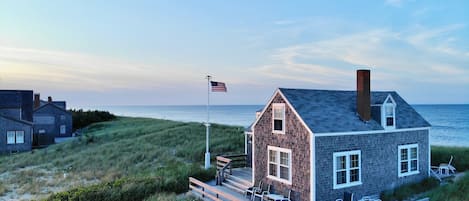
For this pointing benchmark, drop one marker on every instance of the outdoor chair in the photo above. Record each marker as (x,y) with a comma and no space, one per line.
(347,197)
(253,190)
(262,194)
(446,169)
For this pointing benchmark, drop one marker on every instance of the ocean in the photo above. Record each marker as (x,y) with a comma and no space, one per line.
(450,123)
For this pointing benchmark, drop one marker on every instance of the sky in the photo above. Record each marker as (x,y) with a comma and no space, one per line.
(95,53)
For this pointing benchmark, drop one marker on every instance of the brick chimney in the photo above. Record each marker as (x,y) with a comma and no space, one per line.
(37,100)
(49,99)
(363,95)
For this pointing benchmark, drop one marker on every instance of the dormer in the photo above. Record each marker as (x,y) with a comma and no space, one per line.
(388,113)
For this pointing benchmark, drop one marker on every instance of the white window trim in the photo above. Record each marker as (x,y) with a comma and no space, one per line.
(275,105)
(347,164)
(14,137)
(383,113)
(278,150)
(407,147)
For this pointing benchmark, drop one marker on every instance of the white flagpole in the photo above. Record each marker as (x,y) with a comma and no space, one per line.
(207,126)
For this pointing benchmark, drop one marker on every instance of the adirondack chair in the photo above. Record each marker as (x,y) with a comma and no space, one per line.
(447,169)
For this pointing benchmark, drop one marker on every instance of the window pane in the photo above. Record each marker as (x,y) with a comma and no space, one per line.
(340,163)
(413,165)
(389,110)
(353,161)
(389,121)
(341,177)
(278,125)
(278,112)
(272,156)
(19,136)
(404,167)
(272,169)
(354,176)
(413,153)
(403,154)
(10,137)
(284,173)
(284,158)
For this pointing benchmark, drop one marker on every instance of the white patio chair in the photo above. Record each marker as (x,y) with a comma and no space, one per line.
(262,194)
(253,190)
(446,169)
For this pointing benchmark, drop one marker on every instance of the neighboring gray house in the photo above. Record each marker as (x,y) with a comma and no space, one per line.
(51,118)
(16,116)
(322,143)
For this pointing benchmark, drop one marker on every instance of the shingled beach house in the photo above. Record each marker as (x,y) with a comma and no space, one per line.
(322,144)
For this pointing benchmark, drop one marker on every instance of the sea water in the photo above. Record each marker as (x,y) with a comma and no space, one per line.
(450,123)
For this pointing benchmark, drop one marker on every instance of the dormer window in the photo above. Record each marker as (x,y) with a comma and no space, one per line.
(389,114)
(278,118)
(388,118)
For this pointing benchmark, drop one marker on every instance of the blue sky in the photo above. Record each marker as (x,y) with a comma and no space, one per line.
(158,52)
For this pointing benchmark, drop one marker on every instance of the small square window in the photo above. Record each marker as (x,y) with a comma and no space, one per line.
(389,121)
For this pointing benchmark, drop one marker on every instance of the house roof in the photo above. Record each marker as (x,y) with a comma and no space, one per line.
(52,104)
(327,111)
(17,120)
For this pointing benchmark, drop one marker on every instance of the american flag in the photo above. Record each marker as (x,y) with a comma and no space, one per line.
(218,86)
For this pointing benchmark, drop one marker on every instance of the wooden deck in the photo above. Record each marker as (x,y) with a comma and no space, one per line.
(210,191)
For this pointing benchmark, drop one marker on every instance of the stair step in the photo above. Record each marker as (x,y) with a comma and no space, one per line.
(240,180)
(233,187)
(238,185)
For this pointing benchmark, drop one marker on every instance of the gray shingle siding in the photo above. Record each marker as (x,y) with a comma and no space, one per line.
(7,124)
(53,112)
(379,161)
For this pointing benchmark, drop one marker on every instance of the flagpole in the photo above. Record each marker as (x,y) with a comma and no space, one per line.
(207,126)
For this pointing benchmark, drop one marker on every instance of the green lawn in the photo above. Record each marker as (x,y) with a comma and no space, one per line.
(118,153)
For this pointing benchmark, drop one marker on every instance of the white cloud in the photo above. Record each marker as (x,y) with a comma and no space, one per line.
(409,56)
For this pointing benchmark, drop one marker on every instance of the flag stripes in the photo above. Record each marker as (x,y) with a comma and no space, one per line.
(218,86)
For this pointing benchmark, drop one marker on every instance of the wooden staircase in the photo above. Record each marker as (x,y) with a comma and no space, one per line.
(232,173)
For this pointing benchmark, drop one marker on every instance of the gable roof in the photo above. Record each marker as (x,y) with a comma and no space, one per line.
(52,105)
(328,111)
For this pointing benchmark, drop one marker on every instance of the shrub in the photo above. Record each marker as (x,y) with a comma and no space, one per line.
(82,118)
(408,190)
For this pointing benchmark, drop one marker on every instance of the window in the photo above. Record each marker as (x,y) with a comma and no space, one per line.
(279,166)
(62,117)
(278,124)
(10,137)
(408,160)
(15,137)
(347,169)
(62,129)
(19,137)
(388,113)
(42,131)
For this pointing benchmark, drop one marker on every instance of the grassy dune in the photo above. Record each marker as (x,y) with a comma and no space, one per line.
(121,154)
